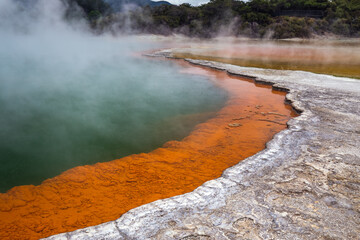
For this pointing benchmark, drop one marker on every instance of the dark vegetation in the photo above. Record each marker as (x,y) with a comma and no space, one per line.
(254,18)
(118,5)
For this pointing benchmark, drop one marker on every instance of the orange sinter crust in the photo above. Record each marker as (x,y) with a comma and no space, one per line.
(90,195)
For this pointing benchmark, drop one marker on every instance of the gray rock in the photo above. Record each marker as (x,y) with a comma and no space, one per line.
(304,185)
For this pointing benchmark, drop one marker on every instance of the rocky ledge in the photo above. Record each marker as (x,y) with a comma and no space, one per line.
(304,185)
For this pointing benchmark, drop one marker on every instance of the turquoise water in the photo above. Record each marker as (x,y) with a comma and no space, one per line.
(66,102)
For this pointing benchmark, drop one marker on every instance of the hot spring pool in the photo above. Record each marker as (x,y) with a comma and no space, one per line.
(77,103)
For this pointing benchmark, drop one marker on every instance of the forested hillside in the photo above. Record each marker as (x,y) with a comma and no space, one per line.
(254,18)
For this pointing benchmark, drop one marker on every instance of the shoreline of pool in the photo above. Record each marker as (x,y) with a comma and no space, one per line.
(301,185)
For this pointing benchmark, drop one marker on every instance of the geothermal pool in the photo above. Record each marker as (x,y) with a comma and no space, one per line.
(93,194)
(78,104)
(89,129)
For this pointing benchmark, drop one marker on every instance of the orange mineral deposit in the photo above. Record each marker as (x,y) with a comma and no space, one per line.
(90,195)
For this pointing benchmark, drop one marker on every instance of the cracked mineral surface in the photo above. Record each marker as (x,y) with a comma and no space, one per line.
(304,185)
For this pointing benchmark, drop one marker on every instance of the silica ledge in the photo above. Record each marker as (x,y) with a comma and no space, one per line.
(304,185)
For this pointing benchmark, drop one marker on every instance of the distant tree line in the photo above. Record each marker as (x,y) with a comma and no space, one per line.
(254,18)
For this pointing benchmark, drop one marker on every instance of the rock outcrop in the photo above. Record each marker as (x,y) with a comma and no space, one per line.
(304,185)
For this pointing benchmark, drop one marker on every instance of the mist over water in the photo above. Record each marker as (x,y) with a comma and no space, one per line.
(68,98)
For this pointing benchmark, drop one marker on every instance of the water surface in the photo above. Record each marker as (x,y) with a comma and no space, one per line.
(336,57)
(77,103)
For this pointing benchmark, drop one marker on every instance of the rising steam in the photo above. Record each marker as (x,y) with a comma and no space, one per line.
(69,98)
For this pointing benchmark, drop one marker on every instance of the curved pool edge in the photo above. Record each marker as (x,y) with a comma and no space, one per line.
(302,185)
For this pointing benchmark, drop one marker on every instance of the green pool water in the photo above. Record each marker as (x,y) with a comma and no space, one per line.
(70,103)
